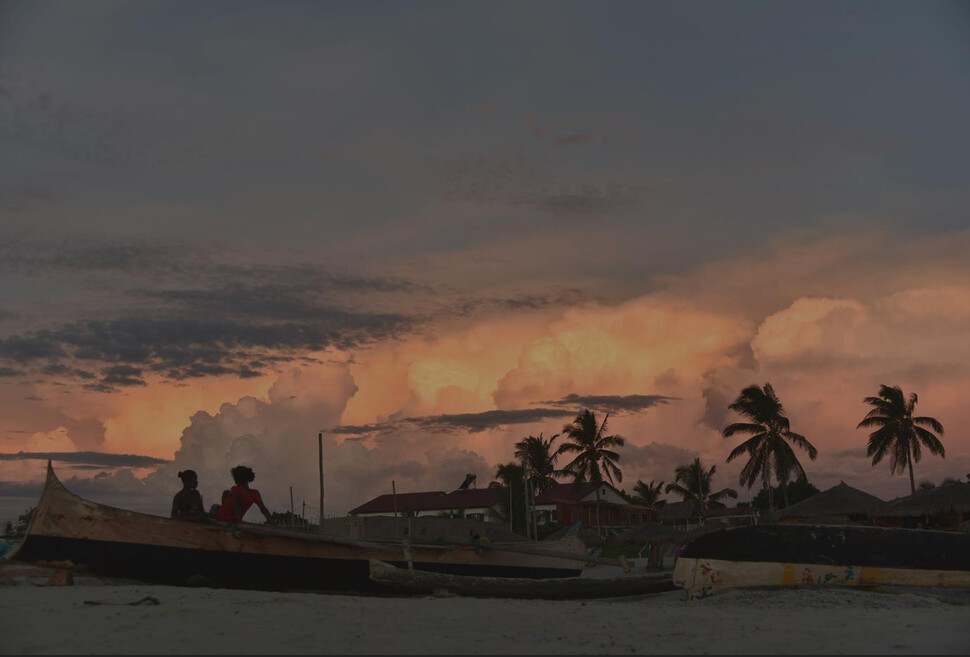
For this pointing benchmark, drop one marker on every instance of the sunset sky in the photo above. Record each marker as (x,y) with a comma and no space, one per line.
(430,229)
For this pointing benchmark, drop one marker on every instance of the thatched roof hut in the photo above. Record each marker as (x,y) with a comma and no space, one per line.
(948,498)
(837,502)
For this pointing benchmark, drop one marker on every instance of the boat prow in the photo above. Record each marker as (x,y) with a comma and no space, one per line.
(813,555)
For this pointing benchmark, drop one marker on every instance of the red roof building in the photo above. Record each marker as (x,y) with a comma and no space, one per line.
(570,503)
(476,503)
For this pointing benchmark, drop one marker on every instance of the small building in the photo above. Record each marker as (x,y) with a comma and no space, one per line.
(576,502)
(838,505)
(472,503)
(944,507)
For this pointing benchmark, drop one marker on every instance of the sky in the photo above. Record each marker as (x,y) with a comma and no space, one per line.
(431,229)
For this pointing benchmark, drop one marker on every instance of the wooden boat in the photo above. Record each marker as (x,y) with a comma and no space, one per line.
(812,555)
(119,543)
(401,580)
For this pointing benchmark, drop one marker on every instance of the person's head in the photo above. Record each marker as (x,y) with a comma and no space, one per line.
(242,475)
(189,478)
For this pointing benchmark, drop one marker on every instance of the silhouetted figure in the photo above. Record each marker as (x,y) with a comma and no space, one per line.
(237,500)
(187,503)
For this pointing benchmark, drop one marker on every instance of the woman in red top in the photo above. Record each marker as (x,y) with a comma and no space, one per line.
(237,500)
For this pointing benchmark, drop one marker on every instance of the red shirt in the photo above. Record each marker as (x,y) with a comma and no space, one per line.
(246,497)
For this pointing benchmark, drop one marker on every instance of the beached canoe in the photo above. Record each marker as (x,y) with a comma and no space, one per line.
(119,543)
(401,580)
(812,555)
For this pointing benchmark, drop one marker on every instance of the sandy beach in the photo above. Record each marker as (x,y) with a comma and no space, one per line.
(44,620)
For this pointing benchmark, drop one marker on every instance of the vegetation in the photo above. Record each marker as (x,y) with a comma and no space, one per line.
(539,462)
(648,495)
(796,491)
(539,459)
(510,479)
(768,449)
(693,483)
(899,435)
(593,448)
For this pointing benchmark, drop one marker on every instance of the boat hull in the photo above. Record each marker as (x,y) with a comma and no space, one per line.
(120,543)
(806,555)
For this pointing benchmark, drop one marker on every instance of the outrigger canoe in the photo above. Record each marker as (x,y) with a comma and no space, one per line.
(812,555)
(118,543)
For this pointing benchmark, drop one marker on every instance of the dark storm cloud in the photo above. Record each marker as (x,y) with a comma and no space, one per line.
(567,407)
(203,270)
(207,317)
(186,348)
(611,403)
(566,297)
(469,422)
(9,371)
(102,459)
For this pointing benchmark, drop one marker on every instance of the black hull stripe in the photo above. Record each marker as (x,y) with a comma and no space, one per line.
(830,545)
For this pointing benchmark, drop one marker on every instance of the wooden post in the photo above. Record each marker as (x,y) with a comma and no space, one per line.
(291,503)
(320,449)
(394,496)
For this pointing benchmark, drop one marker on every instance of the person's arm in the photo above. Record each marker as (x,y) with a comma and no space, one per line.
(175,507)
(262,507)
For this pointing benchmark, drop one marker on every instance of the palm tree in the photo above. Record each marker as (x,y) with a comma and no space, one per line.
(539,459)
(510,477)
(693,484)
(539,462)
(768,447)
(648,494)
(899,434)
(594,452)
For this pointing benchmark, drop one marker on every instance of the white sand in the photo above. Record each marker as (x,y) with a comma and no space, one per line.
(36,619)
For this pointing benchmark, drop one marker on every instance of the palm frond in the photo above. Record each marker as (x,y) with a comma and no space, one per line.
(932,442)
(930,422)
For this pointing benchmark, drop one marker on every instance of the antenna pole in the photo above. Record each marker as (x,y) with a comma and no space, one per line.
(320,450)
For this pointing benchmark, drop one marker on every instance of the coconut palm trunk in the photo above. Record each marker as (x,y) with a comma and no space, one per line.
(599,526)
(912,479)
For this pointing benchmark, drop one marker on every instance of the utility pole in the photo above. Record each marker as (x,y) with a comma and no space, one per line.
(291,501)
(525,496)
(510,508)
(320,449)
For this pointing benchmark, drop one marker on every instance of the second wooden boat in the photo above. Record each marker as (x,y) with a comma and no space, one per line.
(813,555)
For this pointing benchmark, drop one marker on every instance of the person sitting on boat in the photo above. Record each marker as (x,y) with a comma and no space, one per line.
(187,503)
(237,500)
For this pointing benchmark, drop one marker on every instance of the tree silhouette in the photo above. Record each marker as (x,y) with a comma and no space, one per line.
(593,448)
(539,461)
(693,483)
(768,448)
(648,494)
(510,479)
(899,435)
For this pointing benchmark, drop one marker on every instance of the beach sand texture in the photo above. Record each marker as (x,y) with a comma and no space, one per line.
(42,619)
